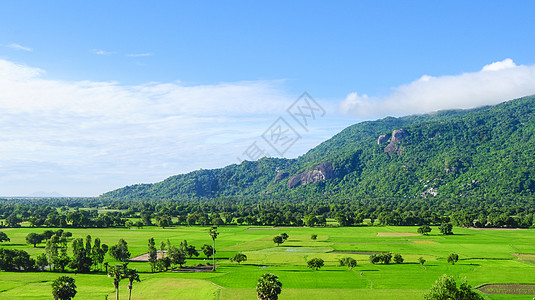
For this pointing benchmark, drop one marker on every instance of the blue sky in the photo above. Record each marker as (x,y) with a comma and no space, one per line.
(96,95)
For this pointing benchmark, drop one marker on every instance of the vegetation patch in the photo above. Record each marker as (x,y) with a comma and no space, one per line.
(424,242)
(396,234)
(508,288)
(525,257)
(355,252)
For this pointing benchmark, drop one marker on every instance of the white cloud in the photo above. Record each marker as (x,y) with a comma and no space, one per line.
(85,138)
(139,55)
(101,52)
(19,47)
(500,65)
(494,83)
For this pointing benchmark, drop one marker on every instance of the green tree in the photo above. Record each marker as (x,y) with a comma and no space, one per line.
(3,237)
(385,258)
(81,259)
(446,228)
(208,250)
(398,259)
(34,238)
(453,258)
(446,288)
(315,263)
(120,251)
(64,288)
(13,220)
(375,258)
(98,252)
(424,229)
(145,217)
(61,261)
(128,224)
(268,287)
(239,257)
(278,240)
(313,236)
(421,260)
(213,235)
(153,254)
(165,221)
(348,261)
(310,220)
(177,256)
(132,276)
(189,249)
(41,261)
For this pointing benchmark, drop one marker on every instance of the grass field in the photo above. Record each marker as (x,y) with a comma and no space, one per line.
(485,257)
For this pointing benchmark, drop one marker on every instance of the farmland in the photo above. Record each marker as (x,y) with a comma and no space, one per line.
(485,257)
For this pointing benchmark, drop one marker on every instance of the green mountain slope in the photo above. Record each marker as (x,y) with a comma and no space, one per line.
(484,152)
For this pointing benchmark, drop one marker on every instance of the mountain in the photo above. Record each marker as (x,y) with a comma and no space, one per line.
(483,152)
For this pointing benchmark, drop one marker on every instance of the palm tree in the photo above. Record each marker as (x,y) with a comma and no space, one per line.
(213,234)
(117,272)
(268,287)
(132,276)
(63,288)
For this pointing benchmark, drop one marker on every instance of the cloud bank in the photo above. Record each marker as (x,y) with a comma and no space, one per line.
(494,83)
(59,133)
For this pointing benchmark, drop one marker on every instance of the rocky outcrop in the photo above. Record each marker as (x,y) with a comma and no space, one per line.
(322,171)
(382,139)
(398,135)
(281,176)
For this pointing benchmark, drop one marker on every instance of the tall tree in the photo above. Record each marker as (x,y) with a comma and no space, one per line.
(117,272)
(177,256)
(98,252)
(446,228)
(81,260)
(132,276)
(153,254)
(120,251)
(213,235)
(51,250)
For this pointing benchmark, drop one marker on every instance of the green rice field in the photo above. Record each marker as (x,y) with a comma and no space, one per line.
(485,257)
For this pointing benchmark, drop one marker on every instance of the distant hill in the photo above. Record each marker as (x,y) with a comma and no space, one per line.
(483,152)
(45,195)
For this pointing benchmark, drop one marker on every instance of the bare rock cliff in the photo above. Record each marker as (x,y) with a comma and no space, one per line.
(322,171)
(398,135)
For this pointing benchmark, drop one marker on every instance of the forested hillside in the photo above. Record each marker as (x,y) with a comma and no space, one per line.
(486,152)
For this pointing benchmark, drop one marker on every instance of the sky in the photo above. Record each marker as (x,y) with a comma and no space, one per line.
(96,95)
